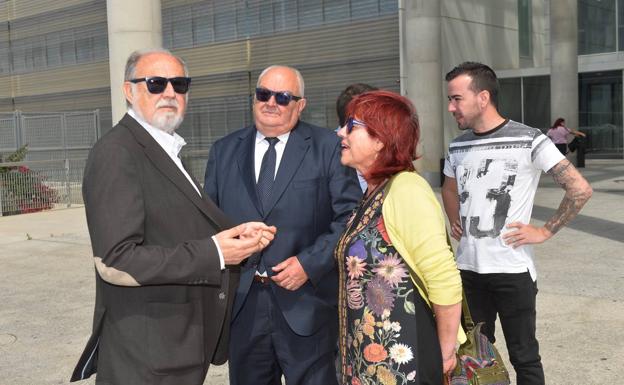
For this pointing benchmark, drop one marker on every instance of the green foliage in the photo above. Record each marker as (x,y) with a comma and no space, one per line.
(23,190)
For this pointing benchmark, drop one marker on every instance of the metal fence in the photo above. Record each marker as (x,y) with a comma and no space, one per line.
(31,186)
(51,174)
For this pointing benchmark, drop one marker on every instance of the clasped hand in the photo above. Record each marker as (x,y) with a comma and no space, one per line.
(239,242)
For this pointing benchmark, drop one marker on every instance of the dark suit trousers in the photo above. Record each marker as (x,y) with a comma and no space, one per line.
(263,347)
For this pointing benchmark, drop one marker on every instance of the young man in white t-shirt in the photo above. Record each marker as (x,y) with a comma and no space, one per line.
(491,175)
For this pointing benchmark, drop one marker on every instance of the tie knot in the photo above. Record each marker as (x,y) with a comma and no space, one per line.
(272,141)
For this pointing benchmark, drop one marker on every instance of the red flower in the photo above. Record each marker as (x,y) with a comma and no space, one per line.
(381,227)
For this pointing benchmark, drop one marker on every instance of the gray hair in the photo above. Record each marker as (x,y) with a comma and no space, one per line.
(296,71)
(137,55)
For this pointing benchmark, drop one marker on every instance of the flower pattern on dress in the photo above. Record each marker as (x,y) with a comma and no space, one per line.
(392,269)
(379,297)
(355,267)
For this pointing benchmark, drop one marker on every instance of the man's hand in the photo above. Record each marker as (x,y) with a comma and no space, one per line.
(525,234)
(456,230)
(239,242)
(289,274)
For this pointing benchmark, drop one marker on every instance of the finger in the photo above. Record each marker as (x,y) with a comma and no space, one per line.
(280,277)
(281,266)
(516,225)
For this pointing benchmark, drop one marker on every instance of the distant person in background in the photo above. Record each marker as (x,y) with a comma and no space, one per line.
(558,133)
(341,106)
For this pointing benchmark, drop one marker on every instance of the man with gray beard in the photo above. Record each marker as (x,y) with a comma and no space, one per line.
(166,257)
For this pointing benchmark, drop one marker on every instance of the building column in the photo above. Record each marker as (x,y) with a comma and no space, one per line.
(564,61)
(422,79)
(132,25)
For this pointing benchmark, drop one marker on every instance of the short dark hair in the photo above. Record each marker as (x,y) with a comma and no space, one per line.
(483,78)
(345,97)
(392,119)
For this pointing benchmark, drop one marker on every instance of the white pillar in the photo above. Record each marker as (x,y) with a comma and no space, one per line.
(564,61)
(422,79)
(132,25)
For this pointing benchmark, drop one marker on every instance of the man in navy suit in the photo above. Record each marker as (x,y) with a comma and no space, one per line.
(284,320)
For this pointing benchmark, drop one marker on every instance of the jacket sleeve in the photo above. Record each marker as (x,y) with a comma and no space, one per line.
(345,193)
(415,224)
(115,207)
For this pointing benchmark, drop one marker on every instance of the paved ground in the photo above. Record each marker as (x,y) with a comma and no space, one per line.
(47,290)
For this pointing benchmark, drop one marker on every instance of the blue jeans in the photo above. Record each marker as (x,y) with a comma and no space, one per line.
(512,297)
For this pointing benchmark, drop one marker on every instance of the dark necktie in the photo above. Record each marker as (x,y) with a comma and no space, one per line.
(267,174)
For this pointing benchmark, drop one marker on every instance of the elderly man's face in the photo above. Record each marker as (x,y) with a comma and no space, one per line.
(165,110)
(271,118)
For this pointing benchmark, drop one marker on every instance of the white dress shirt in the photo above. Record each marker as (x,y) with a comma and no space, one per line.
(262,146)
(172,144)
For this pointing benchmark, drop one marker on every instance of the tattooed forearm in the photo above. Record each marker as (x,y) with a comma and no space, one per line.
(577,192)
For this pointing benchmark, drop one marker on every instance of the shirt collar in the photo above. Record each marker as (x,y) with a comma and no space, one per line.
(282,138)
(171,143)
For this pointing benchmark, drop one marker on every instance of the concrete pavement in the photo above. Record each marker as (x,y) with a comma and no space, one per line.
(47,290)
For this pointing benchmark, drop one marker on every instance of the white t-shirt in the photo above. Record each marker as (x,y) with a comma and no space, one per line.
(497,175)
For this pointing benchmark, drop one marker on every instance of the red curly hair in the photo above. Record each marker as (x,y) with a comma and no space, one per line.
(391,119)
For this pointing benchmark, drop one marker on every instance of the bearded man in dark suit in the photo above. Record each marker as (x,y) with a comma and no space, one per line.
(286,173)
(166,257)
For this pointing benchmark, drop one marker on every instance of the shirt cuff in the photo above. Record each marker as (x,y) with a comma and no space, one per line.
(221,260)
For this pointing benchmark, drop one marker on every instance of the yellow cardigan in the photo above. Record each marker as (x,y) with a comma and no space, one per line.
(415,224)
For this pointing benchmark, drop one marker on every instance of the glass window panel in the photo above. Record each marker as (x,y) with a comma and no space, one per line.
(388,6)
(537,101)
(266,20)
(53,49)
(182,27)
(620,5)
(39,53)
(5,66)
(247,19)
(336,10)
(225,20)
(285,15)
(203,31)
(510,99)
(600,112)
(167,28)
(68,49)
(524,27)
(361,9)
(596,26)
(310,12)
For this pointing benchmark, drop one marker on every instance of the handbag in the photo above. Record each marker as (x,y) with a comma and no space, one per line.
(478,360)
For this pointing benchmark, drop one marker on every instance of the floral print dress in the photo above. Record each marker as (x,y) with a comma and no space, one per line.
(387,332)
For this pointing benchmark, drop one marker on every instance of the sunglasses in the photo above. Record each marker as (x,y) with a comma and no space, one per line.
(353,122)
(282,98)
(157,84)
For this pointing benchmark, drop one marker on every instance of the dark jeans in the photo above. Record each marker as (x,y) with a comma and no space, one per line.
(512,296)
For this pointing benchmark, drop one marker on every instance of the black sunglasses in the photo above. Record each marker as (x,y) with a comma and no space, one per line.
(353,122)
(282,98)
(157,84)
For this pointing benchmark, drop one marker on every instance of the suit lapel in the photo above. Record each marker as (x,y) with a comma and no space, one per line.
(294,153)
(167,167)
(246,164)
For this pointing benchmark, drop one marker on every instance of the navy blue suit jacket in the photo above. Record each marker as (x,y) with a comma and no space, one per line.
(312,197)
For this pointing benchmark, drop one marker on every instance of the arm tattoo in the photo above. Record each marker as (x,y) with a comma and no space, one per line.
(577,192)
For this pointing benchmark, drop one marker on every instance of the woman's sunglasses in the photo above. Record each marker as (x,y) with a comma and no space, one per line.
(353,122)
(157,84)
(282,98)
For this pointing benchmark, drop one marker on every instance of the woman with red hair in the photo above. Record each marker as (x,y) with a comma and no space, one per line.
(400,290)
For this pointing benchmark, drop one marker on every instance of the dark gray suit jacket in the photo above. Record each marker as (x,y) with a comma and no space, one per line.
(162,301)
(311,200)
